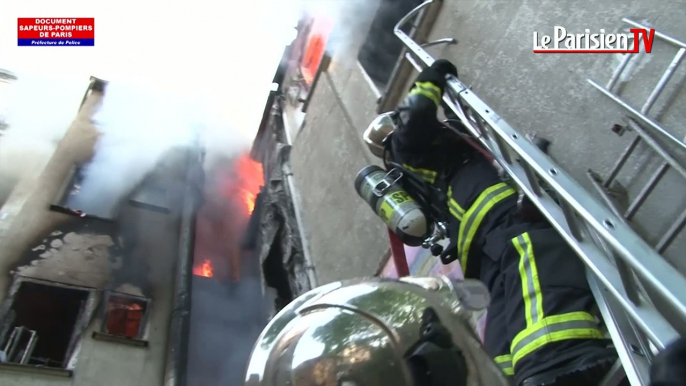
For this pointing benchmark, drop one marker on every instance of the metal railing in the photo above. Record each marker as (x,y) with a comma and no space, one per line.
(634,124)
(601,237)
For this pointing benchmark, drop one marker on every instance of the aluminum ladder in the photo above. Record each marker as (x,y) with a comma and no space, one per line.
(622,268)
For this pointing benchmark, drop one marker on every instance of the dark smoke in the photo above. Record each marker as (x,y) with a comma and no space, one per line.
(226,319)
(229,309)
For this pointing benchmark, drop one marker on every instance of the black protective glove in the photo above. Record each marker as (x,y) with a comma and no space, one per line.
(437,72)
(444,67)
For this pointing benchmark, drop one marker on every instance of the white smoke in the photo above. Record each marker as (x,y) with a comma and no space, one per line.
(138,127)
(185,83)
(212,76)
(351,20)
(38,110)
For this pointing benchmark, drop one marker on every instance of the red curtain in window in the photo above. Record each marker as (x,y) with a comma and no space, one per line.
(316,46)
(124,319)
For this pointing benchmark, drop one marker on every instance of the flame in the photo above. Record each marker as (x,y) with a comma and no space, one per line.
(249,200)
(250,180)
(222,220)
(205,269)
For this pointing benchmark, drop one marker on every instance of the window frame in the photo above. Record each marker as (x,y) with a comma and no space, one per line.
(102,334)
(396,88)
(81,324)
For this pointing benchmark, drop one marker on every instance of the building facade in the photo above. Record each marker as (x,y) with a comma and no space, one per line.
(88,297)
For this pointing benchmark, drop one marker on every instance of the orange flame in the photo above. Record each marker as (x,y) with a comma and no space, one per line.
(224,217)
(205,269)
(250,180)
(249,201)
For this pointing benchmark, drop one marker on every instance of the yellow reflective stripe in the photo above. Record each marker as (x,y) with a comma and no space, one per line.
(531,287)
(572,325)
(425,174)
(577,333)
(503,358)
(505,364)
(455,208)
(474,216)
(547,321)
(430,86)
(455,214)
(428,90)
(428,94)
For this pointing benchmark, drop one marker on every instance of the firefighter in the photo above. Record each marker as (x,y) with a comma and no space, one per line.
(540,329)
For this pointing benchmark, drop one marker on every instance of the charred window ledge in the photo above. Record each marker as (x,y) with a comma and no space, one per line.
(44,370)
(69,197)
(119,339)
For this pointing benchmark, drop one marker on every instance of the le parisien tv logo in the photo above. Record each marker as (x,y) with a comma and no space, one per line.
(56,31)
(599,43)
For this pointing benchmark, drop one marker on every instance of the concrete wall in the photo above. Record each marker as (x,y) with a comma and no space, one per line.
(346,238)
(135,255)
(25,216)
(543,94)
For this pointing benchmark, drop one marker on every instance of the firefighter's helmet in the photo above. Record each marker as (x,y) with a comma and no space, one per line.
(376,332)
(377,132)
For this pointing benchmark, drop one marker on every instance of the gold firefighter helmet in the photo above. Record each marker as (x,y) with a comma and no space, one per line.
(377,132)
(377,332)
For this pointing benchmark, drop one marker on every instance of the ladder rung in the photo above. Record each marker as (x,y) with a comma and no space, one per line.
(637,114)
(504,151)
(533,179)
(663,80)
(625,273)
(479,125)
(671,233)
(621,161)
(643,194)
(633,125)
(618,71)
(637,369)
(572,221)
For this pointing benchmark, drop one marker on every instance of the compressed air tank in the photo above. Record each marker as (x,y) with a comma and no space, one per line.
(394,205)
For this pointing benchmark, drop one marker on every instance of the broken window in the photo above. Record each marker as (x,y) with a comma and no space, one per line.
(41,325)
(381,49)
(125,315)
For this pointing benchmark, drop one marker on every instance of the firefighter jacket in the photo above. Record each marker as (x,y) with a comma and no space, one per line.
(540,315)
(477,199)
